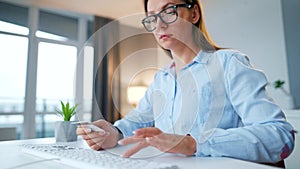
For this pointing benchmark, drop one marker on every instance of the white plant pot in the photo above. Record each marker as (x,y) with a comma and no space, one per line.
(65,131)
(289,102)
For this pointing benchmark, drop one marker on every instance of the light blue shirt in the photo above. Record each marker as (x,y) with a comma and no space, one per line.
(221,101)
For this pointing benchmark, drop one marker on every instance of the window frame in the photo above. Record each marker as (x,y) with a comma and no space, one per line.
(30,112)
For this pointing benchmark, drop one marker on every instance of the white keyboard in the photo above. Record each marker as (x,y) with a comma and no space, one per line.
(88,158)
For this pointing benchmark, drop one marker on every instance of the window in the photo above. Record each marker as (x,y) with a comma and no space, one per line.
(56,75)
(14,14)
(12,72)
(58,39)
(55,82)
(59,25)
(88,78)
(13,64)
(13,28)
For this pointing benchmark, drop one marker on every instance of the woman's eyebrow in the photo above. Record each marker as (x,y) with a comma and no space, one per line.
(163,7)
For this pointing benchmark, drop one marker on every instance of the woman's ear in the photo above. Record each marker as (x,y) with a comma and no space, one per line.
(195,14)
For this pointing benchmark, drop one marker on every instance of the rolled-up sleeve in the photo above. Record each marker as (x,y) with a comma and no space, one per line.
(133,121)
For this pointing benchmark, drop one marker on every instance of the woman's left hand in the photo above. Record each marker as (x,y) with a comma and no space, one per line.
(152,136)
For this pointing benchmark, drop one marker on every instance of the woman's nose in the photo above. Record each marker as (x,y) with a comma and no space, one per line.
(160,23)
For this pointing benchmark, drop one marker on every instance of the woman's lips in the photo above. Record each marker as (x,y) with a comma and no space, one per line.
(164,36)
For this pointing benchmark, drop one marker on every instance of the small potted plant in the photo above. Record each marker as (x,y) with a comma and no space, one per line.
(65,131)
(288,99)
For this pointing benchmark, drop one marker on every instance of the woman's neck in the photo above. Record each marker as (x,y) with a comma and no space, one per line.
(184,56)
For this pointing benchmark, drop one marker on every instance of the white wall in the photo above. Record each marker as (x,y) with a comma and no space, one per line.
(291,13)
(254,27)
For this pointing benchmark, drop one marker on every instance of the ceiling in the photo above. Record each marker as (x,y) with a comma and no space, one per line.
(107,8)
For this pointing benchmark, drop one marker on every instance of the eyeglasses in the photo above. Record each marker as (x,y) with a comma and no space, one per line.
(167,16)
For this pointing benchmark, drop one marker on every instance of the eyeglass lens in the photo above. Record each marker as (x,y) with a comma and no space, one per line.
(168,15)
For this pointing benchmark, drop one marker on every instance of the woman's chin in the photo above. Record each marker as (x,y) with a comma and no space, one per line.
(166,45)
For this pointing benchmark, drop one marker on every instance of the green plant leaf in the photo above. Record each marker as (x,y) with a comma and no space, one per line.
(59,112)
(278,84)
(66,111)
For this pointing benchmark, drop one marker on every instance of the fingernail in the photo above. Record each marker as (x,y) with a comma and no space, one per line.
(120,142)
(88,130)
(124,155)
(147,139)
(133,132)
(103,133)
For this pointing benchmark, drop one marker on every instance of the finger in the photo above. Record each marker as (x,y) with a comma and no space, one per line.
(130,140)
(95,134)
(135,149)
(95,146)
(102,123)
(96,143)
(165,143)
(157,143)
(95,140)
(147,132)
(83,130)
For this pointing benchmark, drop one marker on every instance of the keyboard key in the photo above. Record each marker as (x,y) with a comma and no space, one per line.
(88,158)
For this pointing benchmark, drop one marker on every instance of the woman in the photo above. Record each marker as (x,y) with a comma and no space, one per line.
(208,102)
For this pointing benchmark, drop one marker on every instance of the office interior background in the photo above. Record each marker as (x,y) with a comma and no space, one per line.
(41,41)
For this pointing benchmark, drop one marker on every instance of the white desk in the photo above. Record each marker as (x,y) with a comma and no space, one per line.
(11,156)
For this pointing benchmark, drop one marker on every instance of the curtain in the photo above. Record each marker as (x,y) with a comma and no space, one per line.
(106,86)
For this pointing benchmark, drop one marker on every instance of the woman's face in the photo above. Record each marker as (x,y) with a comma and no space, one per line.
(170,36)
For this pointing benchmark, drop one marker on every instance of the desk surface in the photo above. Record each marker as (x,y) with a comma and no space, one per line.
(12,156)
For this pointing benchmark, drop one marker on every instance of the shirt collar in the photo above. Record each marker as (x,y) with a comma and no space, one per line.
(169,69)
(202,58)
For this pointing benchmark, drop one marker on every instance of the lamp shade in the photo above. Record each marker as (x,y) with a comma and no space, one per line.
(135,94)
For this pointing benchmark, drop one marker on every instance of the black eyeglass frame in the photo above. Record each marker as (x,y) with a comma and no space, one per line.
(189,6)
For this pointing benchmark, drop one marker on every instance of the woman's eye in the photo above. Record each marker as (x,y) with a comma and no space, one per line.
(170,12)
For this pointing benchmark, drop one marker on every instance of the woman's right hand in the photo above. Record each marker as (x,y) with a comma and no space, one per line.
(100,140)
